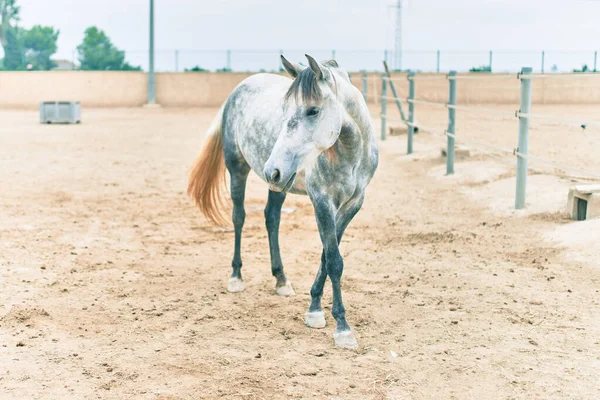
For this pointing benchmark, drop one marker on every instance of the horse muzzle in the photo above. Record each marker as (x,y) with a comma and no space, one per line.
(277,180)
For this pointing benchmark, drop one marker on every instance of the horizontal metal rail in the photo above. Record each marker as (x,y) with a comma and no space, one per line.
(392,119)
(558,165)
(432,103)
(582,124)
(484,75)
(558,76)
(507,114)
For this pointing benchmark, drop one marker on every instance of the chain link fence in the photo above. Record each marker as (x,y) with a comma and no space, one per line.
(249,60)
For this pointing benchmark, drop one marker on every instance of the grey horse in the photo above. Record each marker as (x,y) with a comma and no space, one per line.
(311,135)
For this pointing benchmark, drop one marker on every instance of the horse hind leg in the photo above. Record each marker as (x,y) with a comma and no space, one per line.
(315,318)
(239,175)
(283,287)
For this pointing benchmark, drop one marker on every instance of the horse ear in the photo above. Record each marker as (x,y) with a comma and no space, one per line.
(316,67)
(293,69)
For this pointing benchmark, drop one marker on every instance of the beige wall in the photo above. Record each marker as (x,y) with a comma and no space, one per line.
(97,89)
(129,89)
(493,88)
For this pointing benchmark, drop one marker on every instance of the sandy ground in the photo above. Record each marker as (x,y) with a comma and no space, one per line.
(112,286)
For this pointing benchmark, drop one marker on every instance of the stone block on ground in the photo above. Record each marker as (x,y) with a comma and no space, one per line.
(584,202)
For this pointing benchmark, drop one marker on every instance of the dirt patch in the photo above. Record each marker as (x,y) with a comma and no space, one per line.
(123,283)
(22,316)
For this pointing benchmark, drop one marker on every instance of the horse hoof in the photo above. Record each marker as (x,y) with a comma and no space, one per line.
(285,290)
(235,285)
(345,340)
(315,319)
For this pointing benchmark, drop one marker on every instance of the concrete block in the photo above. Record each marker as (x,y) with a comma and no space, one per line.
(400,130)
(62,112)
(584,202)
(459,151)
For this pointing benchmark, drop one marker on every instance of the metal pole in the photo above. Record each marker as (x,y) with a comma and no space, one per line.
(393,87)
(523,148)
(228,60)
(385,56)
(365,86)
(451,123)
(411,111)
(595,59)
(543,59)
(176,60)
(490,61)
(383,105)
(438,62)
(151,79)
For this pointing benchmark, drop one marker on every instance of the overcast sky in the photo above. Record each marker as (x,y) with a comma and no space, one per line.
(324,24)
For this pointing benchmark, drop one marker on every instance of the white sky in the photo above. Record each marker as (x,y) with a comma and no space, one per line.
(324,24)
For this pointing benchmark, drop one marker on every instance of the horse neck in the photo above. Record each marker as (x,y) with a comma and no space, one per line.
(356,109)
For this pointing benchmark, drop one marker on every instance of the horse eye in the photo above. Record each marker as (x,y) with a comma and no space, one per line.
(312,111)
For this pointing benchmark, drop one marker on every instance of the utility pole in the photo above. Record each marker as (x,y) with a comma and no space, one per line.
(398,38)
(151,78)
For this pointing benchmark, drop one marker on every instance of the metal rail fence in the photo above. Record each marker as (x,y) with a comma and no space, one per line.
(253,60)
(524,116)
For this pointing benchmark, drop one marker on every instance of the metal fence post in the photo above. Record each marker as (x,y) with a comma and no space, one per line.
(411,111)
(229,60)
(365,86)
(151,76)
(543,59)
(438,62)
(383,106)
(490,61)
(523,148)
(451,122)
(595,59)
(385,55)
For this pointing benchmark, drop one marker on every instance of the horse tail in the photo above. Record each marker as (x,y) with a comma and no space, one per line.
(207,175)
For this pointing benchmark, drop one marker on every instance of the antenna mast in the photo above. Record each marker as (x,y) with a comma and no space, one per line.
(398,42)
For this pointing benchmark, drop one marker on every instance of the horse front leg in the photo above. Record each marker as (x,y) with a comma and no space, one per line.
(315,318)
(330,225)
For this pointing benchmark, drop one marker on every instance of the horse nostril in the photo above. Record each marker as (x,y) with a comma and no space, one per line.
(275,176)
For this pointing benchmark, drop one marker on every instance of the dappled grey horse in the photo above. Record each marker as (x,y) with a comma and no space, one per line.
(311,135)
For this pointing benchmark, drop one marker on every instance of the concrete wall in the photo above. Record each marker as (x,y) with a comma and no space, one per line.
(97,89)
(481,88)
(128,89)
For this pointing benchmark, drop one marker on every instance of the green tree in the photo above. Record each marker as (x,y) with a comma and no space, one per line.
(584,68)
(9,13)
(481,68)
(13,51)
(39,44)
(97,52)
(197,68)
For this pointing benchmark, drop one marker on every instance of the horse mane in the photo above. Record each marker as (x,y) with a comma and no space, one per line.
(305,87)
